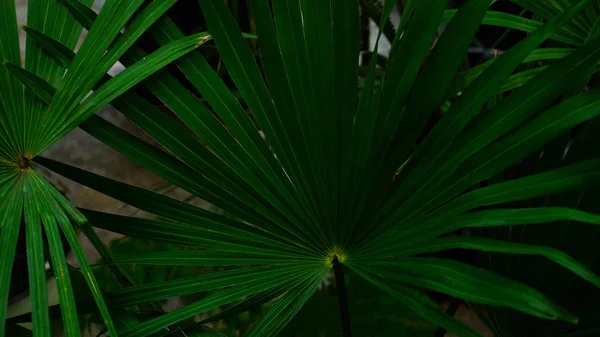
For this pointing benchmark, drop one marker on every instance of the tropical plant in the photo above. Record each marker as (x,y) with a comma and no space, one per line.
(570,147)
(29,125)
(315,175)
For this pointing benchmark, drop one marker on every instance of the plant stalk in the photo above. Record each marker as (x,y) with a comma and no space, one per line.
(340,281)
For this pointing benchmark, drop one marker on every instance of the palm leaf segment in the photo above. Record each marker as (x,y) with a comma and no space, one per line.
(580,242)
(316,179)
(29,124)
(581,29)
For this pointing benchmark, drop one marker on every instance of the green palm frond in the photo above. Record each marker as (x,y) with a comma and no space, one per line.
(579,241)
(582,28)
(316,176)
(30,123)
(570,147)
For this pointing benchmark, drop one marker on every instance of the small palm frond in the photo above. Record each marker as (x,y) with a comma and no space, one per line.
(30,123)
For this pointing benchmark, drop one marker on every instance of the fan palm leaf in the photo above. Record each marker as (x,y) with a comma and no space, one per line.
(319,176)
(29,125)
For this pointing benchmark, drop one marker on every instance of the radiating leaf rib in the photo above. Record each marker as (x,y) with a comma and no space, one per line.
(306,31)
(36,84)
(123,276)
(242,67)
(12,92)
(207,233)
(209,130)
(585,75)
(520,78)
(582,174)
(522,216)
(453,122)
(524,140)
(128,105)
(7,148)
(169,168)
(82,13)
(497,122)
(140,23)
(464,79)
(209,190)
(498,218)
(217,184)
(128,78)
(364,131)
(440,65)
(521,142)
(469,283)
(221,298)
(288,21)
(10,219)
(401,72)
(245,74)
(346,47)
(134,98)
(291,143)
(512,21)
(184,286)
(11,118)
(78,80)
(396,136)
(8,175)
(52,19)
(162,205)
(318,33)
(288,305)
(217,258)
(53,49)
(35,260)
(45,90)
(251,302)
(499,246)
(419,304)
(547,10)
(59,265)
(101,36)
(403,69)
(542,9)
(73,240)
(254,154)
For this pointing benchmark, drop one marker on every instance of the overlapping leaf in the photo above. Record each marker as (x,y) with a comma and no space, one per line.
(29,123)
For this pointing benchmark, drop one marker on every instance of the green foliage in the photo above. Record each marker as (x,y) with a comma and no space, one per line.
(31,124)
(310,169)
(580,241)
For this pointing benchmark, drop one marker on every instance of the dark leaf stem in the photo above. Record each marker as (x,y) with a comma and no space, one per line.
(340,281)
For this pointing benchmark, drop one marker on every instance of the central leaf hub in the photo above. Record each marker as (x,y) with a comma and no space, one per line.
(23,163)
